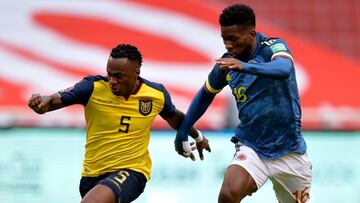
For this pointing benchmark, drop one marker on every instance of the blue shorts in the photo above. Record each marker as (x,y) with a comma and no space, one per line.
(126,184)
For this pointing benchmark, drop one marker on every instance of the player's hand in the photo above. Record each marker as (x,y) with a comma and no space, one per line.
(229,63)
(186,149)
(202,143)
(38,103)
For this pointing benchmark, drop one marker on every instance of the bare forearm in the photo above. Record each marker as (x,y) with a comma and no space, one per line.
(42,104)
(193,133)
(175,123)
(55,102)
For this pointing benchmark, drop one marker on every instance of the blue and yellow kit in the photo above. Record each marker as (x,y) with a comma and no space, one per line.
(118,128)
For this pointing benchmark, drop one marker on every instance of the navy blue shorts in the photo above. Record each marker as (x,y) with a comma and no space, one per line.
(126,184)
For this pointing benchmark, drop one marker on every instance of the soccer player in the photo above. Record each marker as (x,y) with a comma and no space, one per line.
(268,141)
(119,110)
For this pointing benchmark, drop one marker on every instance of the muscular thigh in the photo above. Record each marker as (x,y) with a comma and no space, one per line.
(245,174)
(238,182)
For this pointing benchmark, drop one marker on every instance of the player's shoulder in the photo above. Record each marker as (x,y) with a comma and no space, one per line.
(272,45)
(154,85)
(270,41)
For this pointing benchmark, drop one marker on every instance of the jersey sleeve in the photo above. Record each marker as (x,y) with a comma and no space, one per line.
(77,94)
(278,47)
(216,80)
(169,109)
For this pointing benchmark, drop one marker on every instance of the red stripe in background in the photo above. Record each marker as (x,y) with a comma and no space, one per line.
(12,94)
(332,76)
(197,9)
(35,58)
(91,30)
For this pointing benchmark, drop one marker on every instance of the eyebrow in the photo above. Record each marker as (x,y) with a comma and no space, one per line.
(114,73)
(229,37)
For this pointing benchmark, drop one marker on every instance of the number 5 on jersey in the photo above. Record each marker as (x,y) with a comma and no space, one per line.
(124,124)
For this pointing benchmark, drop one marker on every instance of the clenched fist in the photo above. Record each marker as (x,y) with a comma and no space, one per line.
(38,103)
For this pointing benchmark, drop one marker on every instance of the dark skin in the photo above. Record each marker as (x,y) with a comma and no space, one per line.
(240,43)
(123,75)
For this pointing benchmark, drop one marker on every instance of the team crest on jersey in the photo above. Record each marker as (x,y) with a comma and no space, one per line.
(240,156)
(145,106)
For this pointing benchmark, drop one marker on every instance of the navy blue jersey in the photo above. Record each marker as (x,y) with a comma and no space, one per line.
(267,100)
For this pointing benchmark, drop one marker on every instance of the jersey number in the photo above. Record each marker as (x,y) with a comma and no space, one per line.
(239,94)
(125,124)
(123,175)
(302,196)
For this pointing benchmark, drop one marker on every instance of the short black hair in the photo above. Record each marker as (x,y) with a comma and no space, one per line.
(238,14)
(127,51)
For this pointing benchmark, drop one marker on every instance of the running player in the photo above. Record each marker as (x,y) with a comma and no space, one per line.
(268,141)
(119,110)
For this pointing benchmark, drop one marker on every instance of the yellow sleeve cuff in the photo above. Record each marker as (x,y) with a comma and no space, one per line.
(210,89)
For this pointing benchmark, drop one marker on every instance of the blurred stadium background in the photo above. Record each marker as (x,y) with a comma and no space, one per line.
(47,46)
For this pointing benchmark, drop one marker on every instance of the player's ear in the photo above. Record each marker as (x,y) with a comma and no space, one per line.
(138,71)
(252,33)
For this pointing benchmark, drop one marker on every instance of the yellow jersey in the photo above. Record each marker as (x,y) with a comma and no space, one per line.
(118,128)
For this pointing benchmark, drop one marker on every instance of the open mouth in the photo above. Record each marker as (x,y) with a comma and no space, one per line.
(113,89)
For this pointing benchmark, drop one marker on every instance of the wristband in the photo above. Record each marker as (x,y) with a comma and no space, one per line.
(199,138)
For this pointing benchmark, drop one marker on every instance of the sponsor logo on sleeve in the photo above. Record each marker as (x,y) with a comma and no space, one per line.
(278,47)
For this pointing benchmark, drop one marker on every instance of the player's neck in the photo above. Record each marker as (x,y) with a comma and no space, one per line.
(252,49)
(137,87)
(134,91)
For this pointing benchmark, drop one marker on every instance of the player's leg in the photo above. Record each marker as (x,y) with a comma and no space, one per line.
(245,174)
(237,184)
(123,186)
(87,183)
(291,178)
(99,194)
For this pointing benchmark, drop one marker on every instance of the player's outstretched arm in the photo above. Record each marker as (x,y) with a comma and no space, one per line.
(197,108)
(42,104)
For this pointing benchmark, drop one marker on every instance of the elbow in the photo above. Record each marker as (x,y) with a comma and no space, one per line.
(287,72)
(287,67)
